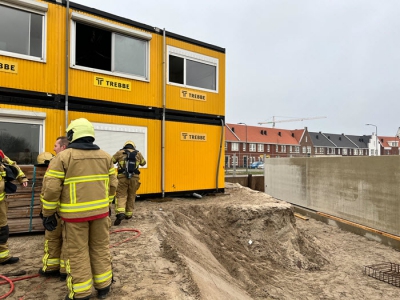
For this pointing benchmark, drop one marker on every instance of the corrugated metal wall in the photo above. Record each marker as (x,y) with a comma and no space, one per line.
(189,165)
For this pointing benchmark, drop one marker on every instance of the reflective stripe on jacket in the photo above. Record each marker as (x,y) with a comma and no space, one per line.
(21,176)
(80,183)
(2,183)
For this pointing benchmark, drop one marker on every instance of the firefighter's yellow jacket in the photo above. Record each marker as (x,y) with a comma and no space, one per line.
(80,183)
(20,177)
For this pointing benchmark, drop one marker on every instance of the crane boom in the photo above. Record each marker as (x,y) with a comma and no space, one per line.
(291,120)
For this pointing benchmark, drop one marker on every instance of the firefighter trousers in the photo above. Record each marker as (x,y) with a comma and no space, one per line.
(4,232)
(53,249)
(87,256)
(126,194)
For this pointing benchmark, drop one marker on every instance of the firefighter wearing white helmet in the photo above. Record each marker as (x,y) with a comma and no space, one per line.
(128,159)
(80,184)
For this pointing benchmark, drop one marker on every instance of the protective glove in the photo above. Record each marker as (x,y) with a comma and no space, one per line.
(50,223)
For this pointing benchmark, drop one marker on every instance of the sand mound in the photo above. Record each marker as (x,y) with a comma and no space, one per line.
(244,243)
(240,245)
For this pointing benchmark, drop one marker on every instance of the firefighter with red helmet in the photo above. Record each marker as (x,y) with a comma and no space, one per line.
(5,257)
(128,181)
(80,185)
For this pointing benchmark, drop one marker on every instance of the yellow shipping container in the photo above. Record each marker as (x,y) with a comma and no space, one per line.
(132,81)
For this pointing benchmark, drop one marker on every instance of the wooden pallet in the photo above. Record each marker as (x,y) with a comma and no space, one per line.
(24,205)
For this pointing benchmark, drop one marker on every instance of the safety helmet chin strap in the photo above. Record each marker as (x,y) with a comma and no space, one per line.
(70,135)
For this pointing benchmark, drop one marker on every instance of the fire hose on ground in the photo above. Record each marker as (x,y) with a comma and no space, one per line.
(6,276)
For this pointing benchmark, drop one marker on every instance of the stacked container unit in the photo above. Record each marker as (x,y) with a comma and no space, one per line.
(132,81)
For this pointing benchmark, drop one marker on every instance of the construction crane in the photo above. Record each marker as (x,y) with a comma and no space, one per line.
(290,120)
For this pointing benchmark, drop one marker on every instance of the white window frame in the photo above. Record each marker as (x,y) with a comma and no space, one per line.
(200,58)
(30,6)
(283,148)
(113,28)
(26,117)
(260,147)
(297,149)
(252,147)
(308,149)
(244,147)
(234,146)
(268,148)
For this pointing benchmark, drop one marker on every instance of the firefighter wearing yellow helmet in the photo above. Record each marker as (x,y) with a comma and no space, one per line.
(52,261)
(44,158)
(80,185)
(128,160)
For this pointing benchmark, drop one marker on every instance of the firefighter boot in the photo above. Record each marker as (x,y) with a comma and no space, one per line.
(119,219)
(102,293)
(63,276)
(52,273)
(11,260)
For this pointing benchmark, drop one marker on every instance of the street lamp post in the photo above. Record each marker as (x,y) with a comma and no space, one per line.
(247,158)
(376,138)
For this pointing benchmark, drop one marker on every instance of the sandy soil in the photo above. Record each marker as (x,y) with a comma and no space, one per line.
(241,245)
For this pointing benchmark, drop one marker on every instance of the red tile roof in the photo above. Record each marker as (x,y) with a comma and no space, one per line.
(264,135)
(230,136)
(384,140)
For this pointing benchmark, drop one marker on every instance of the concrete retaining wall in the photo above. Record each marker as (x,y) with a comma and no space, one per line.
(364,190)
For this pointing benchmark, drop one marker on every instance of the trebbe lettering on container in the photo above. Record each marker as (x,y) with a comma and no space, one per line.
(191,95)
(189,136)
(112,84)
(9,67)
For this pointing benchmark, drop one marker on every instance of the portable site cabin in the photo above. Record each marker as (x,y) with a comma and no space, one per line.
(134,82)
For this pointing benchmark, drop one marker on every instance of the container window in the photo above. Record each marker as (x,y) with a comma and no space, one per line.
(21,139)
(101,49)
(193,70)
(107,48)
(26,39)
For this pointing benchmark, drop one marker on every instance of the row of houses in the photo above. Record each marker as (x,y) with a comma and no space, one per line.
(246,144)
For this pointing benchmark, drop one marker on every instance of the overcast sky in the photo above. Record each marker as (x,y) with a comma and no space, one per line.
(338,59)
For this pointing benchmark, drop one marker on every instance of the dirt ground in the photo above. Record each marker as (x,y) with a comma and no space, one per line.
(240,245)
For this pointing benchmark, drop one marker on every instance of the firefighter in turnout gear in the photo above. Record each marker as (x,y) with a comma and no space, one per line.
(128,180)
(79,186)
(5,257)
(52,261)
